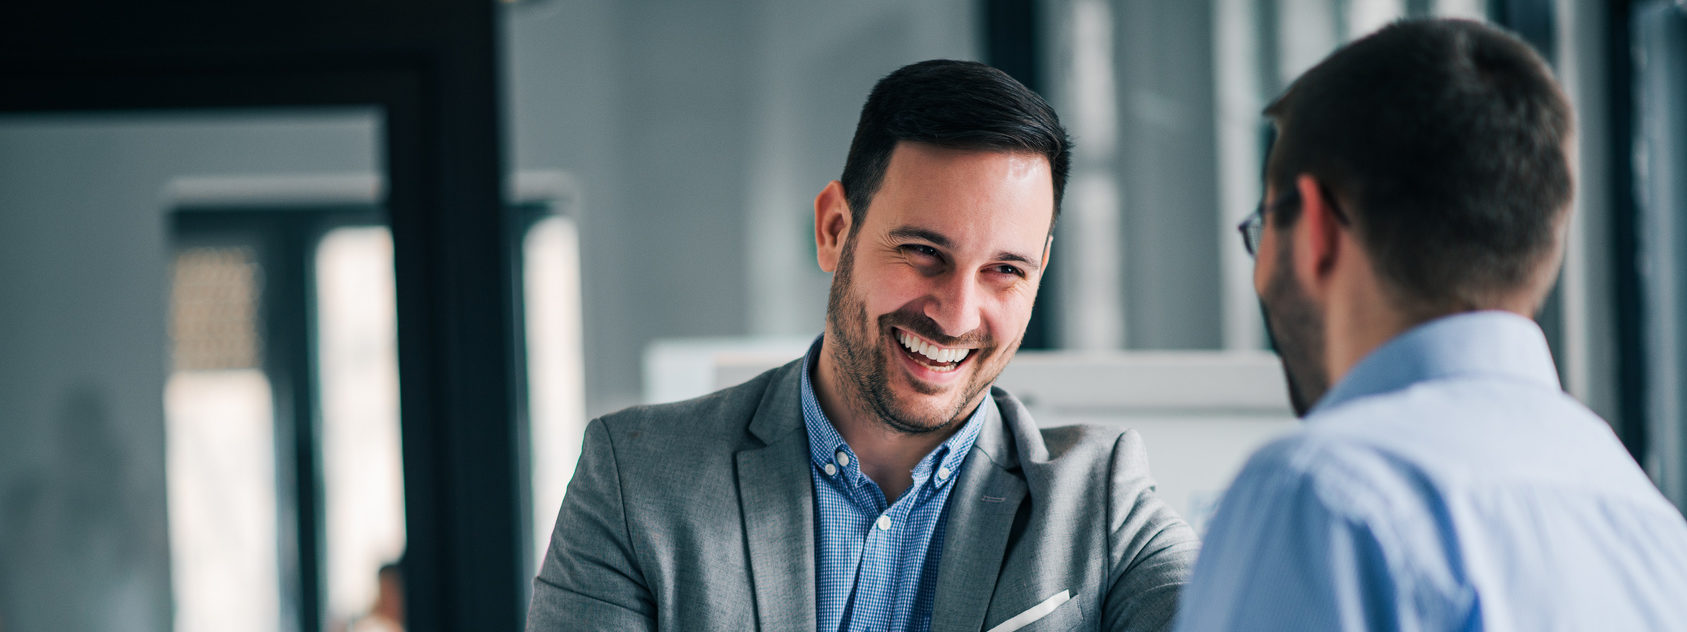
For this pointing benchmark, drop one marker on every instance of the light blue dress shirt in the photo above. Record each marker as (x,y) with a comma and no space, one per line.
(876,562)
(1446,483)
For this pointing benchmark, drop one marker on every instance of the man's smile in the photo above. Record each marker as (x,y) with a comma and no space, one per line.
(932,356)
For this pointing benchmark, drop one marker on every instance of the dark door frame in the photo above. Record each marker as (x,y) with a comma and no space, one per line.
(431,68)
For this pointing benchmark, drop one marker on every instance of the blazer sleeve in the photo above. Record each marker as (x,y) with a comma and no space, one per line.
(590,578)
(1151,549)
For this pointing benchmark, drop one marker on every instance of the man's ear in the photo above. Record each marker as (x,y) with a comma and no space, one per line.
(1317,235)
(832,220)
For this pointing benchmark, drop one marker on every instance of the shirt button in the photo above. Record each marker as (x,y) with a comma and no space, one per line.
(843,459)
(831,470)
(942,473)
(884,523)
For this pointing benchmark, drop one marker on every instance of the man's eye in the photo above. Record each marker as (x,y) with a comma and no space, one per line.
(921,250)
(1007,269)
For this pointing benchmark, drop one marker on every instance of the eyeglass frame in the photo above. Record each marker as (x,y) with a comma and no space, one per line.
(1252,227)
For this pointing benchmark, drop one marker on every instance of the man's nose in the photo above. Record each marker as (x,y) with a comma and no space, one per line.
(955,305)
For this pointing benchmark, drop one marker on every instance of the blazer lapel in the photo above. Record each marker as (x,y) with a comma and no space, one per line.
(776,498)
(981,512)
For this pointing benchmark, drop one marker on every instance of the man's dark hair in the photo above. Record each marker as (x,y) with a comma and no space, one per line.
(1448,141)
(952,104)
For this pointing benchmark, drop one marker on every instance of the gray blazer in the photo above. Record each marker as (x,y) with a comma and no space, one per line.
(699,515)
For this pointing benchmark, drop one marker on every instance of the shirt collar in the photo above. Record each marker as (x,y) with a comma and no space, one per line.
(827,447)
(1490,343)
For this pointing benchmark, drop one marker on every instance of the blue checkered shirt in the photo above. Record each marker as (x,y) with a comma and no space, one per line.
(876,562)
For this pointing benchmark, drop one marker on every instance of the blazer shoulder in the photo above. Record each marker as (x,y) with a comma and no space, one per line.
(1096,453)
(1028,443)
(1087,442)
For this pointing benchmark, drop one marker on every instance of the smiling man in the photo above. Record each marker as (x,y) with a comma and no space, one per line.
(880,482)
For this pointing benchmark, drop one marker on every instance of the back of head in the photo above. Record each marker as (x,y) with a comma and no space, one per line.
(952,104)
(1448,141)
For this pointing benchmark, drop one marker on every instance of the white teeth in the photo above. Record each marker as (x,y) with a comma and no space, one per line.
(934,352)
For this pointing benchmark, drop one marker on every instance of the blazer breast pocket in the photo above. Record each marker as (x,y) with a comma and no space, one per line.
(1060,612)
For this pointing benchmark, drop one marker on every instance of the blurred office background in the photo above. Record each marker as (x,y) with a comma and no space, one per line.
(198,348)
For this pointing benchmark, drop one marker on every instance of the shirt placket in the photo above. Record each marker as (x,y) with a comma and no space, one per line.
(880,580)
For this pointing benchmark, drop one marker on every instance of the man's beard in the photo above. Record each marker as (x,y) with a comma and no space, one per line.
(1296,331)
(863,368)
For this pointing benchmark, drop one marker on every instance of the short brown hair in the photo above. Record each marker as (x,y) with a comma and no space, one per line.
(1448,140)
(953,104)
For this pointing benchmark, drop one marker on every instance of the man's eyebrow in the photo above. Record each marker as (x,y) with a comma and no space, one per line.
(1019,258)
(911,232)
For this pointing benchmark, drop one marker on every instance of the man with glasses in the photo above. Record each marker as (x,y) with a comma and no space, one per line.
(1416,204)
